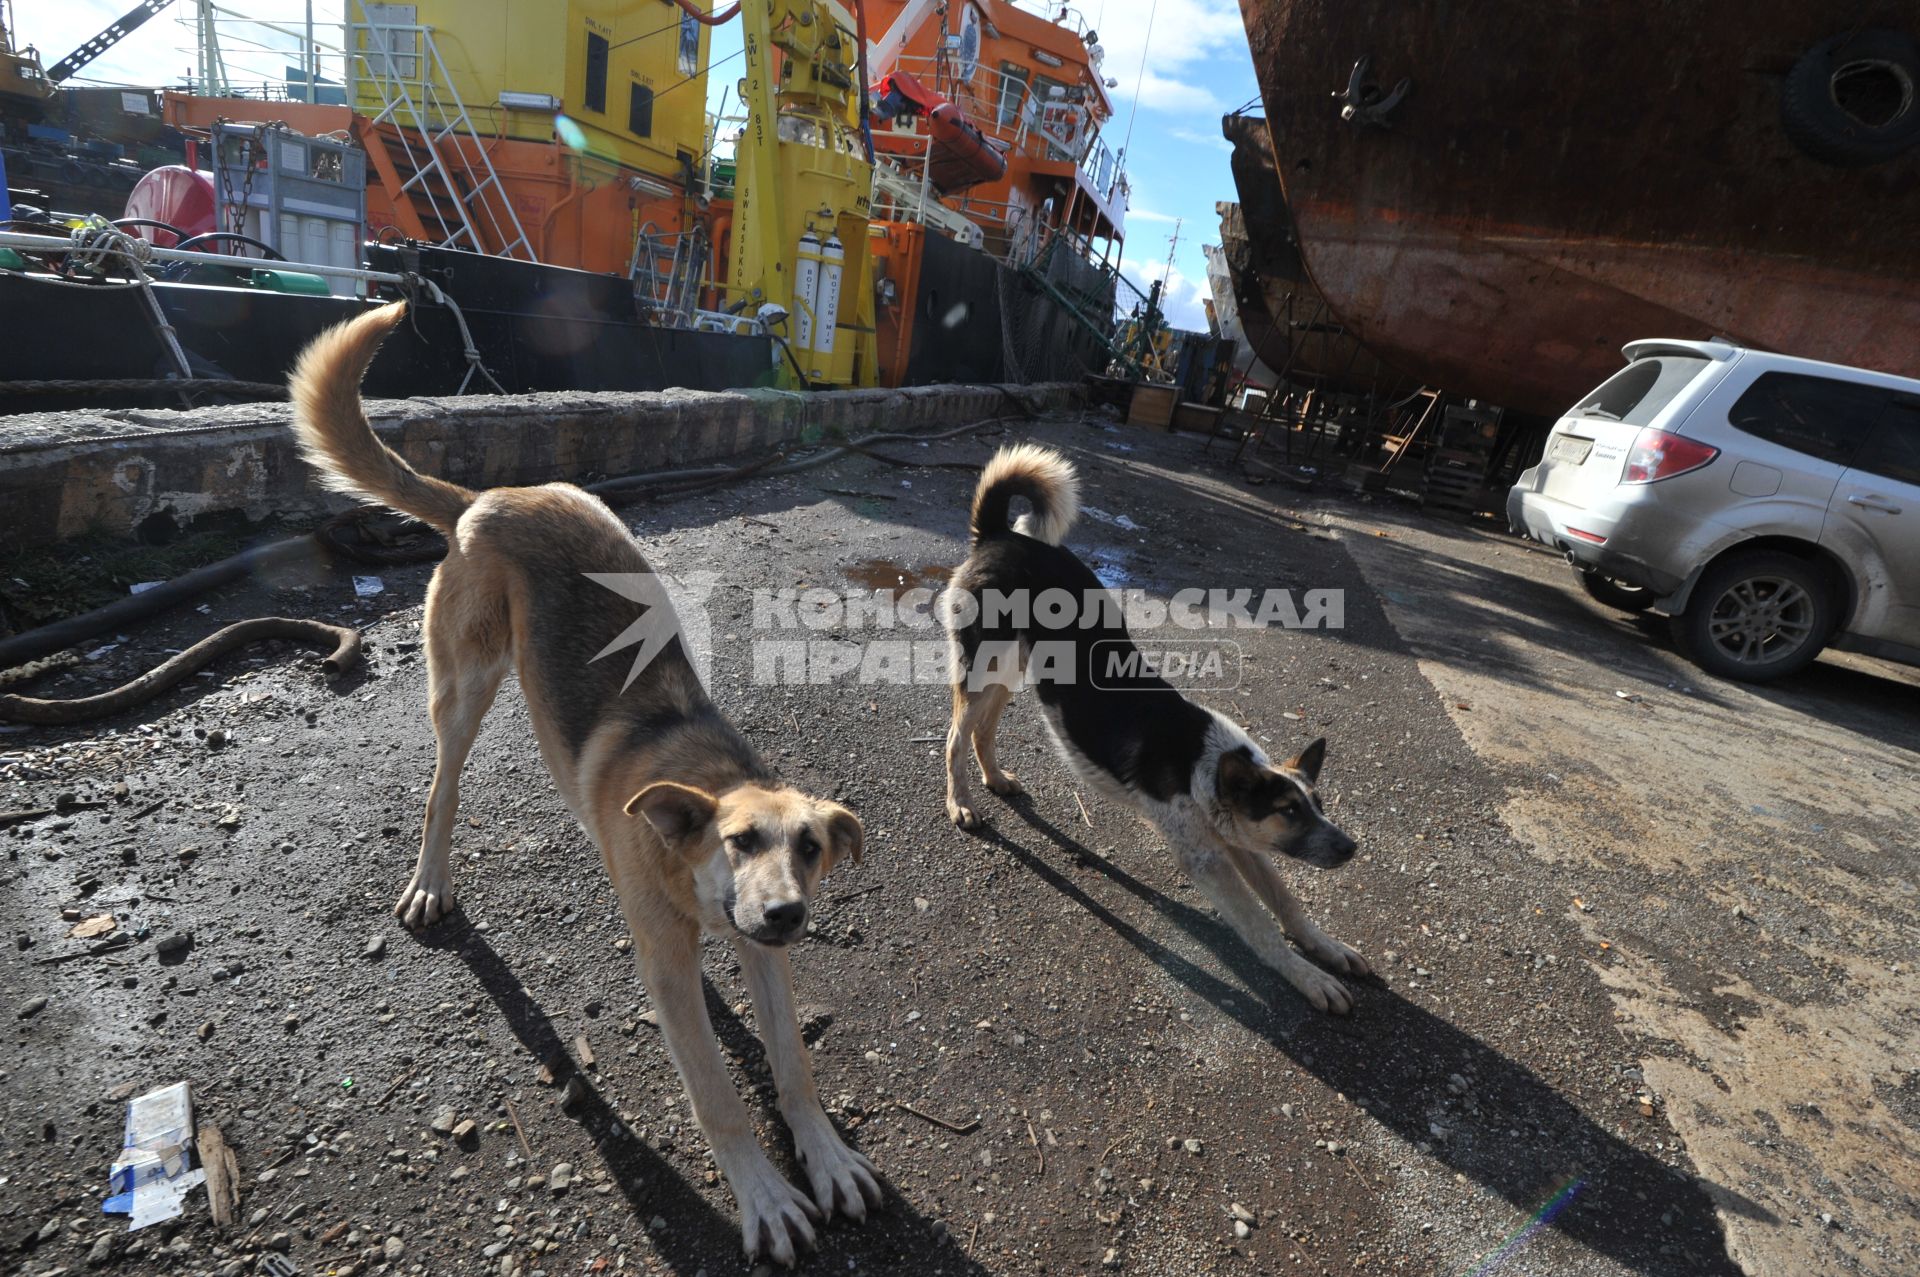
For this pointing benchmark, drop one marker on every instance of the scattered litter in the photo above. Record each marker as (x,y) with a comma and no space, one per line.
(99,652)
(141,587)
(151,1176)
(98,925)
(366,587)
(1634,697)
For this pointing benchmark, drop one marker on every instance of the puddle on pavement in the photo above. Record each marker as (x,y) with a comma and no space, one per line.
(884,574)
(1113,567)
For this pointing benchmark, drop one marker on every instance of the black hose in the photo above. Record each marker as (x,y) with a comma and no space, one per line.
(179,236)
(271,254)
(45,640)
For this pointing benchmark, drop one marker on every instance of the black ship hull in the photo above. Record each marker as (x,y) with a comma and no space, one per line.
(536,328)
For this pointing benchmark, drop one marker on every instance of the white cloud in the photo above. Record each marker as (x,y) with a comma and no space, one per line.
(1194,137)
(1189,39)
(1183,296)
(1147,215)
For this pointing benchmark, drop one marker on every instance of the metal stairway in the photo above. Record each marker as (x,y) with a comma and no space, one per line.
(422,143)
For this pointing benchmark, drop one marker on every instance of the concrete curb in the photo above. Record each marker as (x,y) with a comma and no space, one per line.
(133,473)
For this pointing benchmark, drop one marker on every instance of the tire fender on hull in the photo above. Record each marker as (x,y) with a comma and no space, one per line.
(1854,100)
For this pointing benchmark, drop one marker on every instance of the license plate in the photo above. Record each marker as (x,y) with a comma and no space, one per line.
(1571,449)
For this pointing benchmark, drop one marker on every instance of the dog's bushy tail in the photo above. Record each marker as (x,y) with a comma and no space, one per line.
(1043,477)
(331,428)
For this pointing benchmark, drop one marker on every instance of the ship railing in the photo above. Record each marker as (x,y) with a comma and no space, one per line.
(1009,231)
(904,192)
(1061,126)
(402,64)
(1060,15)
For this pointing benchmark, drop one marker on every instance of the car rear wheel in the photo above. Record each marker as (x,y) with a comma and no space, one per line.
(1756,617)
(1617,594)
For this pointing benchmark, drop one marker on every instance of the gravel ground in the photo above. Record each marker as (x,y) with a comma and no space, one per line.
(1054,1052)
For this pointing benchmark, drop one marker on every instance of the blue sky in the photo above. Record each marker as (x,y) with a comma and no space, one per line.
(1198,69)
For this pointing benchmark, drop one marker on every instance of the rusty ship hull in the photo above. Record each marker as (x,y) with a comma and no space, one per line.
(1554,183)
(1289,326)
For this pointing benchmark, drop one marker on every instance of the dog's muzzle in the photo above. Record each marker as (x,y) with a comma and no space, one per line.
(1328,849)
(779,925)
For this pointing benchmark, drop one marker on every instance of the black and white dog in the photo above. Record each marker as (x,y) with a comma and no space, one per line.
(1192,772)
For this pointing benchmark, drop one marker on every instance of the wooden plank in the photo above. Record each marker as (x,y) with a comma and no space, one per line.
(223,1175)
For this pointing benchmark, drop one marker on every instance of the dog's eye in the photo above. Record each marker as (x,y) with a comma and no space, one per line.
(807,846)
(741,842)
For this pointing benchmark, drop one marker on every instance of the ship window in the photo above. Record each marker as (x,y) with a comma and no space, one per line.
(1013,88)
(1818,416)
(596,94)
(1059,126)
(640,111)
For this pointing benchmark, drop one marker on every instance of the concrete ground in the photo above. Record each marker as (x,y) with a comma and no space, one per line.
(1646,940)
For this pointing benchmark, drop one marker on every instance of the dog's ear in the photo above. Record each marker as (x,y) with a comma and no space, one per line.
(846,836)
(1307,761)
(1239,777)
(677,812)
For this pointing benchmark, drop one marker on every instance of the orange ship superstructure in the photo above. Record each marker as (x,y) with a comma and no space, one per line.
(1024,82)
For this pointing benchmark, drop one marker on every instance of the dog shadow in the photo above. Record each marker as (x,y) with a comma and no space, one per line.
(697,1237)
(1520,1137)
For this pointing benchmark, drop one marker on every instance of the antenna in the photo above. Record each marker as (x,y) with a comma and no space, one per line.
(1173,243)
(1140,78)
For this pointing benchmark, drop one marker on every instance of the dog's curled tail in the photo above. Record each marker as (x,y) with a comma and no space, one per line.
(1043,477)
(331,428)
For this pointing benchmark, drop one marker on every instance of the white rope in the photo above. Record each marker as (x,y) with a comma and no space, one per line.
(472,351)
(96,239)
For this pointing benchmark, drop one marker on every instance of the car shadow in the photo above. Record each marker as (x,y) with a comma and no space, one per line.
(1520,1138)
(697,1238)
(1881,701)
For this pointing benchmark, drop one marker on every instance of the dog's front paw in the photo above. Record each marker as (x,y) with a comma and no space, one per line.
(1340,957)
(427,899)
(1319,988)
(776,1219)
(1006,784)
(842,1180)
(962,815)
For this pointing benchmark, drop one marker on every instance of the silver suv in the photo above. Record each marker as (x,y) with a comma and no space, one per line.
(1769,505)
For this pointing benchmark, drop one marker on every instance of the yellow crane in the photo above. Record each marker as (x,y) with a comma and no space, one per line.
(804,184)
(24,87)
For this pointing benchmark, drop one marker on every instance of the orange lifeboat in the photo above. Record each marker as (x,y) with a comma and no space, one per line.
(959,154)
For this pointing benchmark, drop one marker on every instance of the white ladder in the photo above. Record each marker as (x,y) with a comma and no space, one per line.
(402,63)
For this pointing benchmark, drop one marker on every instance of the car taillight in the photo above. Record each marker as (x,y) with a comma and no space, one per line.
(1656,454)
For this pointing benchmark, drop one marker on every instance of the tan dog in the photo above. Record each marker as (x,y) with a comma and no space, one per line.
(695,831)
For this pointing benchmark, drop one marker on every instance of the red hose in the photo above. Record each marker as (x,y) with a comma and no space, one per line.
(866,119)
(708,19)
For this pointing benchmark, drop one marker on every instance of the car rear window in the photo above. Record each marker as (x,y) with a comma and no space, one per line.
(1636,394)
(1820,416)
